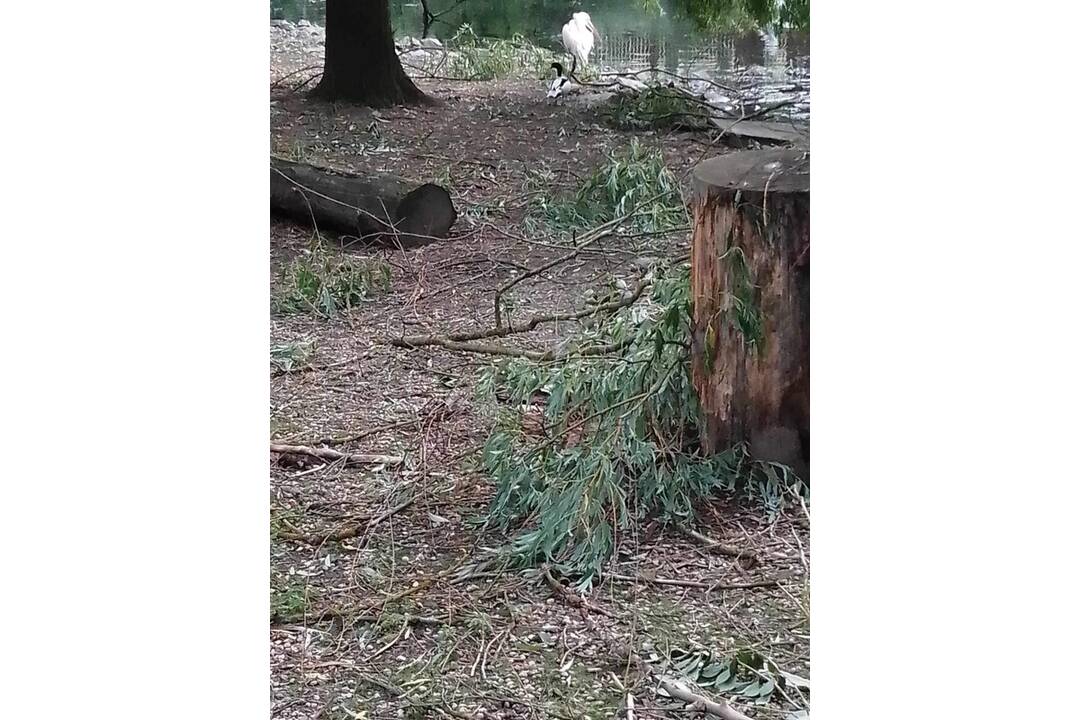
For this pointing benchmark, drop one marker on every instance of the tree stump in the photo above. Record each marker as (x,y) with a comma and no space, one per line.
(750,284)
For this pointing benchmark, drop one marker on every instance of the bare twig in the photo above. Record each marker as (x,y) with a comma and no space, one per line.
(695,583)
(591,238)
(713,545)
(342,440)
(531,324)
(485,349)
(572,599)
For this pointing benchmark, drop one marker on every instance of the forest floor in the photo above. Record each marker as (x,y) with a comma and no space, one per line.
(384,624)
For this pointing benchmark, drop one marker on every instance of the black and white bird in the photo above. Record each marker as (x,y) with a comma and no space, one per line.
(577,38)
(560,81)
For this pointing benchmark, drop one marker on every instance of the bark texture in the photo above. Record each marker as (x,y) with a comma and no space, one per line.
(750,283)
(375,208)
(361,64)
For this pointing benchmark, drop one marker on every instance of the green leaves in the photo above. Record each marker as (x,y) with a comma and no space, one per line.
(746,673)
(740,15)
(587,447)
(633,179)
(289,356)
(614,441)
(327,283)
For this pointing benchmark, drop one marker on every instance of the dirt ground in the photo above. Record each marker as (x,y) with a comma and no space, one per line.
(390,623)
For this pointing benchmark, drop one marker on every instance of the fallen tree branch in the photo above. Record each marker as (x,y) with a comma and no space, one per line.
(590,238)
(720,709)
(485,349)
(462,341)
(536,320)
(328,454)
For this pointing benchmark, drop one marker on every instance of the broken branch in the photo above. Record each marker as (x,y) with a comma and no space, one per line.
(328,454)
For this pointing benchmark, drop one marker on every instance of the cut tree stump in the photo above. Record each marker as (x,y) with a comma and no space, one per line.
(376,208)
(750,284)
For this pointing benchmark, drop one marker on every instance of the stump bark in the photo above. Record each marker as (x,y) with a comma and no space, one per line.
(375,208)
(750,284)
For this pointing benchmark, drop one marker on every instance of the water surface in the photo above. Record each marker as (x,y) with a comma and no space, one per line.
(765,67)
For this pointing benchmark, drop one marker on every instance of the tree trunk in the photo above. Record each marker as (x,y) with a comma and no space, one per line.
(382,209)
(427,17)
(750,284)
(361,63)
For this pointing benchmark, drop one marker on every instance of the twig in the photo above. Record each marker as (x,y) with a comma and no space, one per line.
(387,646)
(360,525)
(328,454)
(342,440)
(572,599)
(283,78)
(391,512)
(352,617)
(532,323)
(695,583)
(485,349)
(715,546)
(591,238)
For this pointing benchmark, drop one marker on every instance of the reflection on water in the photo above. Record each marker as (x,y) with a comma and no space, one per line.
(763,68)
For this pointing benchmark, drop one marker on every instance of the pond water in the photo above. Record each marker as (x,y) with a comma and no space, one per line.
(765,67)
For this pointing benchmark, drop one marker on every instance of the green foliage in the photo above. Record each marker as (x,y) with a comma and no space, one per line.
(330,283)
(748,316)
(289,602)
(746,673)
(476,58)
(619,439)
(634,179)
(657,108)
(288,356)
(740,15)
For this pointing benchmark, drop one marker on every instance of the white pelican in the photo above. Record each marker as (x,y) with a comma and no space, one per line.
(559,82)
(577,38)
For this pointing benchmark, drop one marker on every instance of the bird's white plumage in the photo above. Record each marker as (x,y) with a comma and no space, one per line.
(557,85)
(578,36)
(559,82)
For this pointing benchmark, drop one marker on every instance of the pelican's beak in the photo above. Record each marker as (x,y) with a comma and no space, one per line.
(593,30)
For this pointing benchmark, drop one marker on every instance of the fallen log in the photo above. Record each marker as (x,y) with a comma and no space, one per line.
(750,280)
(375,208)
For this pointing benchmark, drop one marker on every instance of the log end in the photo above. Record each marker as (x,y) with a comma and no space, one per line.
(426,211)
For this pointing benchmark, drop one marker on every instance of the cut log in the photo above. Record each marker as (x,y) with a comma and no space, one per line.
(377,208)
(750,284)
